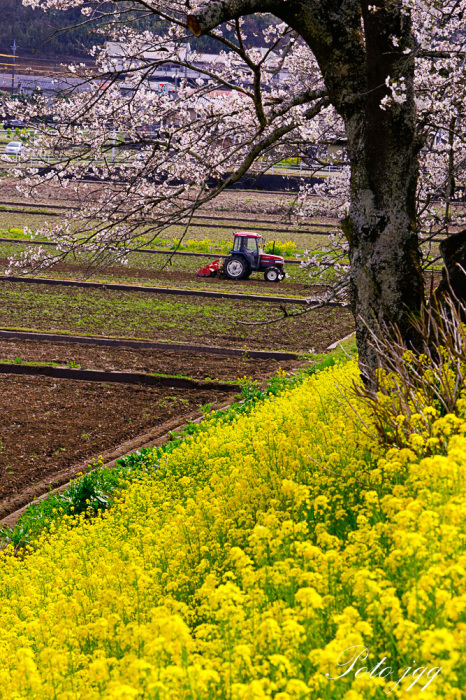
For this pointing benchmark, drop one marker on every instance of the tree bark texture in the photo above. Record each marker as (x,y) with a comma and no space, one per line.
(357,56)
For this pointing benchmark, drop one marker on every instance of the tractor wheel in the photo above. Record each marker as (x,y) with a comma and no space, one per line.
(272,274)
(236,268)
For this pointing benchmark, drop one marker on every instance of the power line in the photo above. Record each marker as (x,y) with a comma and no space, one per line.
(13,48)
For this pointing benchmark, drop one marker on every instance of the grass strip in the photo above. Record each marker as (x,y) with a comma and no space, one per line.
(73,365)
(121,377)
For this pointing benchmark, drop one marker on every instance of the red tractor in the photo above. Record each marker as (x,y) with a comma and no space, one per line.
(245,257)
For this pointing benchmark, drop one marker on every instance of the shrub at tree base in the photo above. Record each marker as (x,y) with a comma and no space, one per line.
(258,555)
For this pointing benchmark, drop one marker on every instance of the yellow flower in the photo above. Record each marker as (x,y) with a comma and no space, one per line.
(260,551)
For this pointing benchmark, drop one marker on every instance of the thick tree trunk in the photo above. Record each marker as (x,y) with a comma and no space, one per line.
(386,276)
(358,57)
(387,284)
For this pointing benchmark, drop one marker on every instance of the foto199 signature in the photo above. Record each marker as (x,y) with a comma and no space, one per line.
(352,659)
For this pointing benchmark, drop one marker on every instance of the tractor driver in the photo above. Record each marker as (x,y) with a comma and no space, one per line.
(250,244)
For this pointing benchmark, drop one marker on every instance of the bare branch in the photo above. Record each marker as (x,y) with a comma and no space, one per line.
(211,14)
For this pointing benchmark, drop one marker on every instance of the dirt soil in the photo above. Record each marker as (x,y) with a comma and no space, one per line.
(48,425)
(230,201)
(197,366)
(255,285)
(174,278)
(275,205)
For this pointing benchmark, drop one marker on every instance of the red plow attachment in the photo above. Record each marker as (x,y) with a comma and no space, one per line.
(209,270)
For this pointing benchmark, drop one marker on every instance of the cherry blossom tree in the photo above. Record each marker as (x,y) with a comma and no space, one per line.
(387,77)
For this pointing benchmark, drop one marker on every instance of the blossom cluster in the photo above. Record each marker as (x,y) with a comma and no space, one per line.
(262,549)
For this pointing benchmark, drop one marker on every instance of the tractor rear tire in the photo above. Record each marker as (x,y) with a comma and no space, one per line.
(236,268)
(273,274)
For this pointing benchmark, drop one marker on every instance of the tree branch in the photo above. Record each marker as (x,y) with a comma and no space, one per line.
(440,54)
(329,301)
(211,14)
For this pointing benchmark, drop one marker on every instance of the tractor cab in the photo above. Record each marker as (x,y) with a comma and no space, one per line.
(250,245)
(247,255)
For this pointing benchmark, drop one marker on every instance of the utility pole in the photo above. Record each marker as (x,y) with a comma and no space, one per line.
(13,48)
(114,136)
(186,56)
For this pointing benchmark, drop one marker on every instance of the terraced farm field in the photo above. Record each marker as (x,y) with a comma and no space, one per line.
(51,427)
(170,318)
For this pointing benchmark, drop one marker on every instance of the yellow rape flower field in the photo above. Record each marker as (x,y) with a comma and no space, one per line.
(281,555)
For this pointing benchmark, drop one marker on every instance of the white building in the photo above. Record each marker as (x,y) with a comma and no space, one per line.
(170,72)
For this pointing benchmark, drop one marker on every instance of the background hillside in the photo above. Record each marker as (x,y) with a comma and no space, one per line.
(40,35)
(34,31)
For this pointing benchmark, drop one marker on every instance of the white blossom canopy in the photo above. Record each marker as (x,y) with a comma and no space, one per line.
(265,96)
